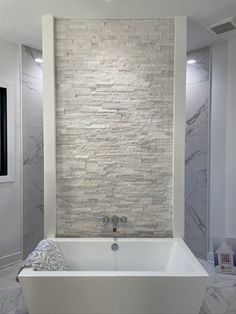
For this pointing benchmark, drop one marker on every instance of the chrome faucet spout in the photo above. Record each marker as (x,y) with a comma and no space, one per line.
(114,220)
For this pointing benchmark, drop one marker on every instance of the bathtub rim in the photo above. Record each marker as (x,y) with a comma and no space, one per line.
(198,270)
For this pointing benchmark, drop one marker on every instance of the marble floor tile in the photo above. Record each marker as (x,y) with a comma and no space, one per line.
(220,297)
(11,297)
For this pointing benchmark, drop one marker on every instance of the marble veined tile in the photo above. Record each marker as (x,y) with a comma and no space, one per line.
(198,72)
(33,186)
(32,100)
(32,105)
(220,297)
(32,89)
(196,153)
(12,301)
(33,145)
(11,296)
(32,68)
(32,227)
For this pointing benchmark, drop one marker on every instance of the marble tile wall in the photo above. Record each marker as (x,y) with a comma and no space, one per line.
(114,107)
(32,121)
(196,156)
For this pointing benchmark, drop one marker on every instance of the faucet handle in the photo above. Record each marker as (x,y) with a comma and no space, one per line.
(106,219)
(123,219)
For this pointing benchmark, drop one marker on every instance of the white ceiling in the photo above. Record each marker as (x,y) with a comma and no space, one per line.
(20,20)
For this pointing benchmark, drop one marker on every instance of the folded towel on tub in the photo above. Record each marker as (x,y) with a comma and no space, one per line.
(45,257)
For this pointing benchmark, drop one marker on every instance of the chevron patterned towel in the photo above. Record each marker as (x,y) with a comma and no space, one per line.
(45,257)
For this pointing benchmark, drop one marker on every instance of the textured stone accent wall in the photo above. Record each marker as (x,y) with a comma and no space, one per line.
(114,126)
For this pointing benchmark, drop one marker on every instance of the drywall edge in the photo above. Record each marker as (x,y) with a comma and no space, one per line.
(49,116)
(179,125)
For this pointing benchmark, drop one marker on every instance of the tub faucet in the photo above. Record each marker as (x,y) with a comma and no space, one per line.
(114,220)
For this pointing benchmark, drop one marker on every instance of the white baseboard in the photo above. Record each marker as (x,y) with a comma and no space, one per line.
(10,259)
(210,257)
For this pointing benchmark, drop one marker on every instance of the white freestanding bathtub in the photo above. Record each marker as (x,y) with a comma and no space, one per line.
(144,276)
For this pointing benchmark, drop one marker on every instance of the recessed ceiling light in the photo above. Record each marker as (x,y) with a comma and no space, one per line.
(192,61)
(38,60)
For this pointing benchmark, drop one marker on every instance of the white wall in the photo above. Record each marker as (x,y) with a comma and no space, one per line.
(10,193)
(230,170)
(223,142)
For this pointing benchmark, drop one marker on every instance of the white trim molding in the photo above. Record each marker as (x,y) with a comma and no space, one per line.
(179,125)
(49,116)
(10,259)
(10,177)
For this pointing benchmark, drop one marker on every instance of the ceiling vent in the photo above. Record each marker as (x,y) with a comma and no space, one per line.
(223,26)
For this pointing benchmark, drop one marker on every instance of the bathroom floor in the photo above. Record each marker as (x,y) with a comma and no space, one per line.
(220,296)
(11,298)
